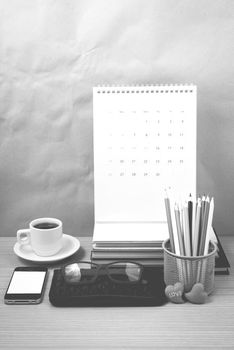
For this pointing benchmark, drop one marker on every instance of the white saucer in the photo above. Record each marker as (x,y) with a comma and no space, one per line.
(70,246)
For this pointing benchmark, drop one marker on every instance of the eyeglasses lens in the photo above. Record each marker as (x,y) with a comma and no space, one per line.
(124,272)
(80,272)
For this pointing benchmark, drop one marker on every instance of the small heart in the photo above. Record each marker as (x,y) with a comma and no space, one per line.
(197,295)
(175,293)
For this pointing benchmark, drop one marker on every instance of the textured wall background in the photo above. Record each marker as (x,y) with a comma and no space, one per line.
(52,52)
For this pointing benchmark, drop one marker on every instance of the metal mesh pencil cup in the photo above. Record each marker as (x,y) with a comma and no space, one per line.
(189,270)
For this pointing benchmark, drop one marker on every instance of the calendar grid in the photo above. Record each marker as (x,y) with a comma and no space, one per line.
(144,141)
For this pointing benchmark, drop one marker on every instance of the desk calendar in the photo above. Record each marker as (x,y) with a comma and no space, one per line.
(144,142)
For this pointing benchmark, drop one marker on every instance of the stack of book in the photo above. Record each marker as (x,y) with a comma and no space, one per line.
(136,243)
(147,255)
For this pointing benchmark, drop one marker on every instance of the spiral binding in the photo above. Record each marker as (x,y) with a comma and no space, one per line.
(151,89)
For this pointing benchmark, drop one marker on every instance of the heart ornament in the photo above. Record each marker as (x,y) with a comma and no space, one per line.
(175,293)
(197,295)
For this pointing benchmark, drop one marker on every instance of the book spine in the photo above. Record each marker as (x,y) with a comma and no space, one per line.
(144,262)
(125,256)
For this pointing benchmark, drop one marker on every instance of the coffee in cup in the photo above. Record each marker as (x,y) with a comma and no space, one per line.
(45,225)
(44,235)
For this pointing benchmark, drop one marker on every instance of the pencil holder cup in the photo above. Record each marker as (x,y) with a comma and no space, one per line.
(189,270)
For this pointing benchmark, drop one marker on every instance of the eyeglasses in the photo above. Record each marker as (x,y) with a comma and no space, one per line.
(84,272)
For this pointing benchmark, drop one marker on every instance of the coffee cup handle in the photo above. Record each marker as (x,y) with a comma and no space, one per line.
(23,236)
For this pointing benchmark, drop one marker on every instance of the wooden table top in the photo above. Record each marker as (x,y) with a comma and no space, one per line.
(171,326)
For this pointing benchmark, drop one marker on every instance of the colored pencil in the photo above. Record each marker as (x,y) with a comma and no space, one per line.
(169,221)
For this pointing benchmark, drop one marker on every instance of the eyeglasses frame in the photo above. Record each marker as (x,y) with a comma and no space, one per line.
(103,267)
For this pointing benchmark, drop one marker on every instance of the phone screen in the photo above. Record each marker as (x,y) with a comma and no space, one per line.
(26,286)
(27,282)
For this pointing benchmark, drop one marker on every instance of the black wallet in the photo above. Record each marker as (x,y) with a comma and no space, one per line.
(150,291)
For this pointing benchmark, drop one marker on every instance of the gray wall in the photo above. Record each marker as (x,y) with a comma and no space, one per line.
(51,55)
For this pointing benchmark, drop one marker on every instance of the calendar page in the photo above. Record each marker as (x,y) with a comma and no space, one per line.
(144,143)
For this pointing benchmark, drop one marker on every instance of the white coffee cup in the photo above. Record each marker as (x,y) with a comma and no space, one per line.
(44,235)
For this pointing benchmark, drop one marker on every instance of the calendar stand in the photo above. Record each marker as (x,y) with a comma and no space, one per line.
(144,142)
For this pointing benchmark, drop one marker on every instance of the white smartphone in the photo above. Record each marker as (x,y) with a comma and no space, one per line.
(26,286)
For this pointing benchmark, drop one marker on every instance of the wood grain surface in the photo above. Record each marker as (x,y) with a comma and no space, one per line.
(171,326)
